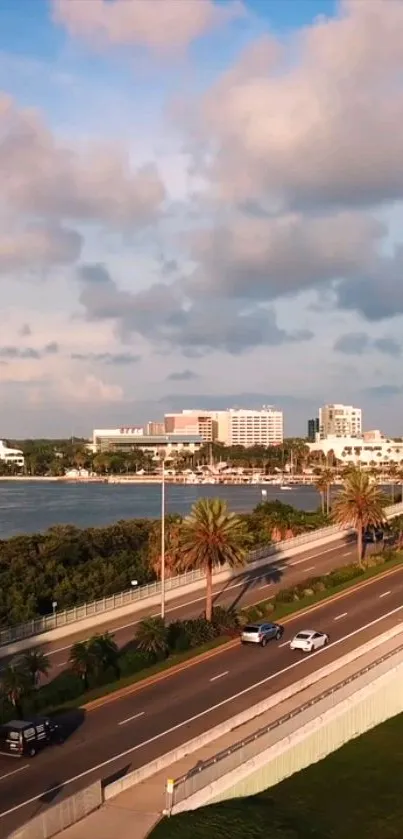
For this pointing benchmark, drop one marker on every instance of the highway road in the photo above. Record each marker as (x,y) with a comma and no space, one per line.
(245,589)
(130,731)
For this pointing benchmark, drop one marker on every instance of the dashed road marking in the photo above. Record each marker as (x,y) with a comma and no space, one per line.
(220,675)
(130,719)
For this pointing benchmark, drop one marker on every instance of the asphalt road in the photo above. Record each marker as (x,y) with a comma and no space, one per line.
(244,589)
(131,731)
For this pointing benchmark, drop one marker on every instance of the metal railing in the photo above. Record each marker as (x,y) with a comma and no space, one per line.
(214,768)
(37,626)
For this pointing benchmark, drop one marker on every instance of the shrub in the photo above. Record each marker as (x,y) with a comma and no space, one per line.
(225,620)
(343,575)
(64,688)
(286,595)
(199,631)
(133,661)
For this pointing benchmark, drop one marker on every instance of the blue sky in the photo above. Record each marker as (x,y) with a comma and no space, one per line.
(220,196)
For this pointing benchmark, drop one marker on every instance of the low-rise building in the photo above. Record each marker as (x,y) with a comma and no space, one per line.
(130,438)
(371,449)
(7,455)
(233,427)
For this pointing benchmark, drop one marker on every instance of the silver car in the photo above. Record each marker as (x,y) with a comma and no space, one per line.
(261,633)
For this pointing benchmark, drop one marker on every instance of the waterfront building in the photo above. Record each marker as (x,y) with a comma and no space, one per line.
(8,455)
(130,438)
(232,427)
(371,449)
(340,421)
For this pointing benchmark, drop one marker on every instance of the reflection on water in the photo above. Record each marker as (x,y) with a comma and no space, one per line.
(32,506)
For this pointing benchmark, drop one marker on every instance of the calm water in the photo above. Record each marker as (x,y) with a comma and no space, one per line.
(29,507)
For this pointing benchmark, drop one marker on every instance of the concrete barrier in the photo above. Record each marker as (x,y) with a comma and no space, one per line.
(192,746)
(153,601)
(349,711)
(62,815)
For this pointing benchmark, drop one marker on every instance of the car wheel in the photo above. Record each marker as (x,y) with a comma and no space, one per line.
(278,635)
(264,642)
(32,751)
(243,642)
(326,640)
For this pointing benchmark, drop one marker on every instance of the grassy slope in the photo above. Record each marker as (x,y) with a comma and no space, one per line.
(354,793)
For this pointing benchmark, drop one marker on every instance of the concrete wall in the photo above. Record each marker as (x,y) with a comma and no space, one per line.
(307,738)
(61,816)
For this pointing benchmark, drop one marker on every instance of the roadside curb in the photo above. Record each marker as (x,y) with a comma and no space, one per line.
(149,681)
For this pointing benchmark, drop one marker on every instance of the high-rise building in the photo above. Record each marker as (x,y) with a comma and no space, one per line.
(234,427)
(313,429)
(340,421)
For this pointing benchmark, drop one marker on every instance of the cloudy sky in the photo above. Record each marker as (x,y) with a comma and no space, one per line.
(201,205)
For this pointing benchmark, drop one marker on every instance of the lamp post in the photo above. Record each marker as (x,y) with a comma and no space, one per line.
(54,607)
(163,540)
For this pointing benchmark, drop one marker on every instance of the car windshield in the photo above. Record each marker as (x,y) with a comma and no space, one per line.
(251,629)
(303,635)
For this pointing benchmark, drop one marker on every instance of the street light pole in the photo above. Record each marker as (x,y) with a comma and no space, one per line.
(163,541)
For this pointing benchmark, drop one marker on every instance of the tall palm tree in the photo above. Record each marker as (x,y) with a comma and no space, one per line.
(15,686)
(105,653)
(212,536)
(323,484)
(83,661)
(152,636)
(36,664)
(359,504)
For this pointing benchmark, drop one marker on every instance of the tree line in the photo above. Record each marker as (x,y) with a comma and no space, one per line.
(71,566)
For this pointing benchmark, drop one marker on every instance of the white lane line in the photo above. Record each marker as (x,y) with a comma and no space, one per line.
(62,663)
(130,719)
(220,675)
(339,617)
(202,713)
(311,568)
(285,644)
(348,553)
(14,772)
(200,599)
(385,594)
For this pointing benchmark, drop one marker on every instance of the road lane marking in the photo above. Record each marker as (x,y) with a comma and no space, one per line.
(201,714)
(347,553)
(14,772)
(220,675)
(62,663)
(385,593)
(311,568)
(198,599)
(339,617)
(284,644)
(130,719)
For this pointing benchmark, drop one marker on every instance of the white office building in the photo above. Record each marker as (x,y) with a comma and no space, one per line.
(255,428)
(340,421)
(8,455)
(372,450)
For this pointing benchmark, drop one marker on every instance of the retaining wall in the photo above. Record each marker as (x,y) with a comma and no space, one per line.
(350,710)
(61,816)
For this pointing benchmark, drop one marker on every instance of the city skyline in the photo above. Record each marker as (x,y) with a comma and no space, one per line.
(199,210)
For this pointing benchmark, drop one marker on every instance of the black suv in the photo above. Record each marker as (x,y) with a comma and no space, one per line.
(26,737)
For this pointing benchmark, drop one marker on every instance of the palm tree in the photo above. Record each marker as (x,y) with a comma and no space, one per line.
(15,686)
(36,664)
(152,636)
(105,653)
(211,536)
(359,504)
(82,660)
(323,484)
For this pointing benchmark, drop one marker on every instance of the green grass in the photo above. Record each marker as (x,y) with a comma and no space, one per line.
(354,793)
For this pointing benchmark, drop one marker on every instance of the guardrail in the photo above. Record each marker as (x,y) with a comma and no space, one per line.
(208,771)
(109,604)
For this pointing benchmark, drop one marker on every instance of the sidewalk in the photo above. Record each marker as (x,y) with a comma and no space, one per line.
(133,813)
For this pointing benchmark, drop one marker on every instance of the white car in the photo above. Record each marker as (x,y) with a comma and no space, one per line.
(309,640)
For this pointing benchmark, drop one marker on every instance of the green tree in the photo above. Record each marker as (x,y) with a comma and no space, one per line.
(359,504)
(83,661)
(152,636)
(16,686)
(211,536)
(36,664)
(323,485)
(105,653)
